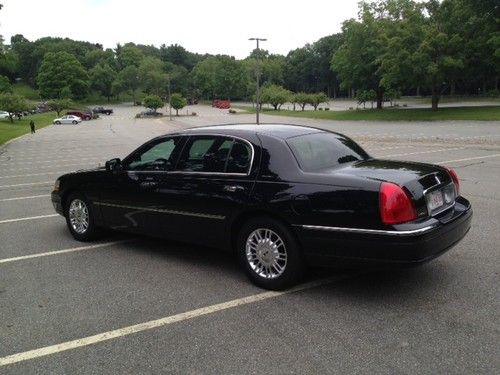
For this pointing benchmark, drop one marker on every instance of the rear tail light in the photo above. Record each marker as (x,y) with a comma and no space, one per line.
(454,178)
(395,205)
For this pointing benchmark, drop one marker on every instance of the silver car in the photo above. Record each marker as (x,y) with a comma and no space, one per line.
(68,119)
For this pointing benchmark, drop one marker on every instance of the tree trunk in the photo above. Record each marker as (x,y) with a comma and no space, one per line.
(275,107)
(133,96)
(303,106)
(418,91)
(435,97)
(452,88)
(484,86)
(177,112)
(380,98)
(11,119)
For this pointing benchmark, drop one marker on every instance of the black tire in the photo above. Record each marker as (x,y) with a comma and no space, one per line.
(58,122)
(91,232)
(292,269)
(75,122)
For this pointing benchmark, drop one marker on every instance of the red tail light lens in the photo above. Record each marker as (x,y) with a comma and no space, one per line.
(395,205)
(454,178)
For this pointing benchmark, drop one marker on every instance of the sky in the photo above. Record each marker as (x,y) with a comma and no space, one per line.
(216,27)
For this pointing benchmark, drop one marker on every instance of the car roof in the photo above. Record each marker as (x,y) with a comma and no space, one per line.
(282,131)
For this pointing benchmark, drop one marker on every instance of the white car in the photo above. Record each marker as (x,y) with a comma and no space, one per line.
(4,114)
(68,119)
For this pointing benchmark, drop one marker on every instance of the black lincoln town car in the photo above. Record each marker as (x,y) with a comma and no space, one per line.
(281,196)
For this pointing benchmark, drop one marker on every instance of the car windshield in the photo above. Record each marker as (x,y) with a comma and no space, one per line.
(324,150)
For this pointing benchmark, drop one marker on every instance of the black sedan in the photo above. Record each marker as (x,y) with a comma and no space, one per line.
(280,196)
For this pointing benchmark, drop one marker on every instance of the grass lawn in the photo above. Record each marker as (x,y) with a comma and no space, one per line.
(10,130)
(485,113)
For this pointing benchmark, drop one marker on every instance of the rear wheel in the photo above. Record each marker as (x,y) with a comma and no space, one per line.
(75,122)
(270,254)
(80,218)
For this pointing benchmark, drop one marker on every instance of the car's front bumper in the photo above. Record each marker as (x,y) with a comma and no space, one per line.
(57,203)
(330,247)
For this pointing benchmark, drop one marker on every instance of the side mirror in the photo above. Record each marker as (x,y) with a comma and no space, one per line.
(114,165)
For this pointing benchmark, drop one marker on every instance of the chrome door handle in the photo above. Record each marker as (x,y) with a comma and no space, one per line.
(233,188)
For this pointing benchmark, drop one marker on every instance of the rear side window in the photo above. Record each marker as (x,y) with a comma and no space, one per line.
(324,150)
(205,154)
(215,154)
(239,158)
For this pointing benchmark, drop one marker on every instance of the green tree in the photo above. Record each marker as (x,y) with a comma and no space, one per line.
(129,56)
(221,77)
(5,85)
(128,80)
(153,101)
(153,78)
(102,77)
(302,99)
(275,95)
(12,103)
(59,105)
(177,101)
(357,59)
(60,70)
(316,99)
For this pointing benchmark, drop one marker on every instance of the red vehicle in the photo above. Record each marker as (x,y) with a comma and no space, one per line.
(82,115)
(222,104)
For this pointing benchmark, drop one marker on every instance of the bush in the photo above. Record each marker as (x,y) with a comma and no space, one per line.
(232,111)
(194,114)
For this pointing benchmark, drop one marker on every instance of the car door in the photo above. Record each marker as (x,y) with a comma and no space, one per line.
(211,182)
(130,200)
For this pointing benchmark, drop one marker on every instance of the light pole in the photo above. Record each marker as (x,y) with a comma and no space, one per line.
(257,94)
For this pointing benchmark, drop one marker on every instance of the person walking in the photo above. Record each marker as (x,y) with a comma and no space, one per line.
(32,127)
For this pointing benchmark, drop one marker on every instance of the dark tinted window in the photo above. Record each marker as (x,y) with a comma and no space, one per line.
(205,154)
(324,150)
(158,155)
(239,158)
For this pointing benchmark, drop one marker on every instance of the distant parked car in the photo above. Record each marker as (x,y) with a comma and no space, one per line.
(4,115)
(150,112)
(68,119)
(82,115)
(107,111)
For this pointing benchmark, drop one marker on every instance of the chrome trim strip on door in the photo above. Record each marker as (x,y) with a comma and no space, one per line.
(164,211)
(370,231)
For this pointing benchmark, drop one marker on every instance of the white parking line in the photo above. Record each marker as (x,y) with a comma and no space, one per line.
(425,152)
(27,184)
(57,252)
(125,331)
(467,159)
(27,218)
(21,198)
(32,174)
(12,163)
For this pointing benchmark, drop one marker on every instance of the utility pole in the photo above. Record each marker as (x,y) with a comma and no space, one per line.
(257,94)
(169,99)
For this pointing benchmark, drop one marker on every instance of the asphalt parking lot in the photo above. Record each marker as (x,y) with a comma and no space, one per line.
(135,305)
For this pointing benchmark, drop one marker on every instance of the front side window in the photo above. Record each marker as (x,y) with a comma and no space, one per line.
(324,150)
(158,155)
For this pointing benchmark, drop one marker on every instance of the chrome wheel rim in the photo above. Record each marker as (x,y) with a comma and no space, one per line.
(266,253)
(79,216)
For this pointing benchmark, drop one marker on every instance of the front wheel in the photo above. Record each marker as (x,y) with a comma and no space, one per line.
(58,122)
(270,254)
(80,218)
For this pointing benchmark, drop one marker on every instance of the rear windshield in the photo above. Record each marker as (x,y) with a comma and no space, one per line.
(324,150)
